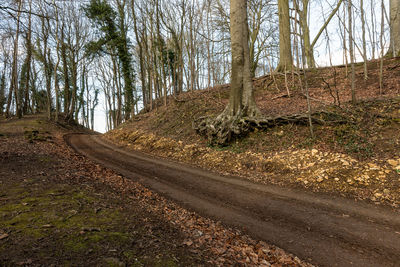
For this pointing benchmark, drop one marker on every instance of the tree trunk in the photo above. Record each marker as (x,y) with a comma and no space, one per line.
(308,49)
(351,50)
(2,91)
(74,80)
(48,81)
(125,58)
(241,104)
(364,43)
(14,76)
(373,23)
(394,49)
(234,107)
(67,93)
(381,42)
(56,83)
(141,59)
(285,50)
(28,61)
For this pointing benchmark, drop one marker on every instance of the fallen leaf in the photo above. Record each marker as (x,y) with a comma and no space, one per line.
(188,243)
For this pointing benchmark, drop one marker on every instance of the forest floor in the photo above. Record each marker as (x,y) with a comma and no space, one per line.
(59,208)
(358,158)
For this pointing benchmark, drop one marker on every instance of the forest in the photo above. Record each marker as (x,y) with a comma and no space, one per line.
(66,57)
(233,133)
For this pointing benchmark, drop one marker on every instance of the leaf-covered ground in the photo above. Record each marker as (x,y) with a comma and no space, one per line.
(359,158)
(59,208)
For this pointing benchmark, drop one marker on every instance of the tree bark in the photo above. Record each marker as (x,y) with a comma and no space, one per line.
(67,93)
(364,43)
(285,50)
(2,91)
(28,61)
(351,50)
(394,49)
(308,49)
(14,75)
(56,84)
(231,123)
(141,59)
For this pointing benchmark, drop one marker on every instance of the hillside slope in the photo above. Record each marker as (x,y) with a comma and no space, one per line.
(358,158)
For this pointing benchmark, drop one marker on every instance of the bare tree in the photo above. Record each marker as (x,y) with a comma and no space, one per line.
(241,101)
(14,73)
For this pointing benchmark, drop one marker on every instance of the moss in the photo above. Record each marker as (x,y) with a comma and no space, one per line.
(130,255)
(93,240)
(54,207)
(28,224)
(79,195)
(15,190)
(14,208)
(76,245)
(34,200)
(46,159)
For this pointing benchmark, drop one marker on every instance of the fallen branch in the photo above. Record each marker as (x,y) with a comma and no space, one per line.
(318,100)
(284,95)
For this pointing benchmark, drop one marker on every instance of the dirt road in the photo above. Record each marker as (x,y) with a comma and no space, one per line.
(322,229)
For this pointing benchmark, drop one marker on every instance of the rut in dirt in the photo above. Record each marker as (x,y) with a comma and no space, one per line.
(322,229)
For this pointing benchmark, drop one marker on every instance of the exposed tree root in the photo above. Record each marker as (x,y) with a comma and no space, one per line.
(225,128)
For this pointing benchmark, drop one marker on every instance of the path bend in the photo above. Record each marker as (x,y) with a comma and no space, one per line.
(321,229)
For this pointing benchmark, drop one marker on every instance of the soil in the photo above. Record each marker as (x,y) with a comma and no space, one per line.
(59,208)
(323,229)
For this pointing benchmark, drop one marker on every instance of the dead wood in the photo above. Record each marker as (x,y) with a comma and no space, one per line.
(284,95)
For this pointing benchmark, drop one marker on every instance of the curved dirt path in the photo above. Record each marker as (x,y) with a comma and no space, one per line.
(324,230)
